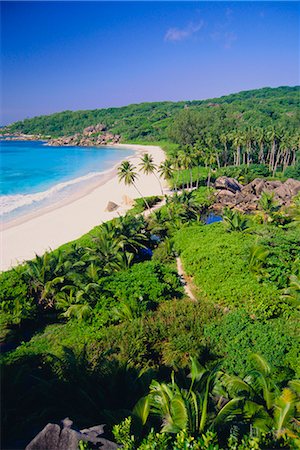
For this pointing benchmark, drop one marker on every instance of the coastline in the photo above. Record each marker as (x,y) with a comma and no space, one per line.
(65,221)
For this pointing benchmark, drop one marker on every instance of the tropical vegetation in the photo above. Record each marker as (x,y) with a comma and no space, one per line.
(102,330)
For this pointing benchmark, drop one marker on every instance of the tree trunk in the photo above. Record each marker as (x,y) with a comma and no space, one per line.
(272,156)
(277,161)
(145,201)
(238,156)
(286,160)
(198,177)
(294,157)
(261,156)
(208,177)
(225,154)
(161,189)
(244,158)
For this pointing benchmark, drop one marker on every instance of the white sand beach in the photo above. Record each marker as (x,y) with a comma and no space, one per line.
(49,229)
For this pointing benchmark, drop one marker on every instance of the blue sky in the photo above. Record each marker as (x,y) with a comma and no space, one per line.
(86,55)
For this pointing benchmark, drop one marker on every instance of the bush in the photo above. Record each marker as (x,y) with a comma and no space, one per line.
(283,246)
(293,171)
(218,263)
(15,302)
(237,334)
(140,206)
(148,283)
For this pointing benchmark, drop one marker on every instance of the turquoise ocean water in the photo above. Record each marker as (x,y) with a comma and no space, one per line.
(34,175)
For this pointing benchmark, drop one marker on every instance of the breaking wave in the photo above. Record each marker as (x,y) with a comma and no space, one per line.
(11,203)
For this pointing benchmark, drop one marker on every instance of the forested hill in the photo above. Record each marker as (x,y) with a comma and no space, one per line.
(153,121)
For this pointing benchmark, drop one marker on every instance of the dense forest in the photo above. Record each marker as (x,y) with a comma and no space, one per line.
(102,330)
(259,126)
(152,121)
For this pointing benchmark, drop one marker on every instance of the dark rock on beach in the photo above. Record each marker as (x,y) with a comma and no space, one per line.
(111,206)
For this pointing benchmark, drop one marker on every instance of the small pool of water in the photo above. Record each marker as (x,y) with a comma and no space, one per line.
(212,218)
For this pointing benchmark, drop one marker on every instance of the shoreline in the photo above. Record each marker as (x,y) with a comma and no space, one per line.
(89,187)
(22,238)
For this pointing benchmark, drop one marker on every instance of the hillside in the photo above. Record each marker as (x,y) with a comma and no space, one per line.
(153,121)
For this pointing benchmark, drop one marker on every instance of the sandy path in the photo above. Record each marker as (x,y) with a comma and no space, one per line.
(49,230)
(183,277)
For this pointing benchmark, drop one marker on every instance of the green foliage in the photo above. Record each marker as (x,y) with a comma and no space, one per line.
(244,173)
(151,121)
(216,401)
(218,262)
(235,220)
(283,246)
(257,260)
(122,434)
(139,204)
(15,300)
(146,283)
(293,171)
(292,293)
(237,334)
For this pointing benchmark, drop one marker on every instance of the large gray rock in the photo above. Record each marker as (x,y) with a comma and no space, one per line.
(54,437)
(225,193)
(293,186)
(227,183)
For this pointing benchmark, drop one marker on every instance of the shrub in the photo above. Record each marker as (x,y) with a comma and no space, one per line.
(293,171)
(149,283)
(218,263)
(237,334)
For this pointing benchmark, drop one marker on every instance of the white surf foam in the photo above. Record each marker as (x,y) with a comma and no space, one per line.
(10,203)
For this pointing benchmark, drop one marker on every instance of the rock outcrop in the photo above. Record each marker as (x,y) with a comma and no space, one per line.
(230,193)
(86,139)
(55,437)
(229,184)
(90,137)
(88,131)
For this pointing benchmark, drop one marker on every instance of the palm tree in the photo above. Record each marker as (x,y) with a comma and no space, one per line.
(44,277)
(192,409)
(166,170)
(126,172)
(186,159)
(175,164)
(266,408)
(148,167)
(210,159)
(157,223)
(198,158)
(238,141)
(105,251)
(260,136)
(224,138)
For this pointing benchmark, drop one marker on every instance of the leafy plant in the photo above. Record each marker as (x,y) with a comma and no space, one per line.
(235,220)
